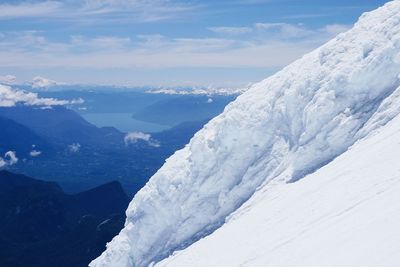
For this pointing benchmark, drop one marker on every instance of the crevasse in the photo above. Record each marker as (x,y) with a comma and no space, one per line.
(280,130)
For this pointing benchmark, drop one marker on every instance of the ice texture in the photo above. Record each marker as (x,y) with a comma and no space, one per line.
(345,214)
(280,130)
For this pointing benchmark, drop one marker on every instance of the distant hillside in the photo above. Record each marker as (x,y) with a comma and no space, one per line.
(79,155)
(60,125)
(17,137)
(179,109)
(107,100)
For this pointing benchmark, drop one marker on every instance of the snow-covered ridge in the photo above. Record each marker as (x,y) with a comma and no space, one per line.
(345,214)
(280,130)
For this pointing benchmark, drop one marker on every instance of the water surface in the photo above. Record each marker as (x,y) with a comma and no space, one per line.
(123,122)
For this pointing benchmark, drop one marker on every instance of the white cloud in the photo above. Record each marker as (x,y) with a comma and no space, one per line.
(285,30)
(8,79)
(267,45)
(41,82)
(74,148)
(2,162)
(96,10)
(30,9)
(109,43)
(231,30)
(251,2)
(77,101)
(304,16)
(10,97)
(35,153)
(142,10)
(258,49)
(334,29)
(133,137)
(10,158)
(200,91)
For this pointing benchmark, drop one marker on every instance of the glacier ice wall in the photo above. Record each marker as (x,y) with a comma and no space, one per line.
(280,130)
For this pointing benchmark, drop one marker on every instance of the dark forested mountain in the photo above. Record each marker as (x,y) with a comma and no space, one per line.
(42,226)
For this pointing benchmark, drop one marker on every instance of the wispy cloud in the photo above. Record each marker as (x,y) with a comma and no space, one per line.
(285,30)
(30,9)
(114,10)
(231,30)
(305,16)
(251,2)
(258,49)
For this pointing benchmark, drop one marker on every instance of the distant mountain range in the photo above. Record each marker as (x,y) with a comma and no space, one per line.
(182,108)
(161,108)
(61,126)
(47,223)
(17,137)
(58,144)
(300,170)
(43,226)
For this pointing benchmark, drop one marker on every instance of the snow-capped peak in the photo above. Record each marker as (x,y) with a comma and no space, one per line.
(280,130)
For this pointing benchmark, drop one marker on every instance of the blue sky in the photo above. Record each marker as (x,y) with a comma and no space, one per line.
(165,42)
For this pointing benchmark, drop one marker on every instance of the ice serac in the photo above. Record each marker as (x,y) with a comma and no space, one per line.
(347,214)
(282,129)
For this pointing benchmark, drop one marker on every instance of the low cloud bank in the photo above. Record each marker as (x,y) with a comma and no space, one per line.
(74,148)
(8,79)
(35,153)
(9,159)
(41,82)
(10,97)
(134,137)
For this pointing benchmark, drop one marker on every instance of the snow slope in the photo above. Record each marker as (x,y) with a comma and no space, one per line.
(345,214)
(280,130)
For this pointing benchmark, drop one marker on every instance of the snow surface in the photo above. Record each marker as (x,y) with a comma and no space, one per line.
(280,130)
(345,214)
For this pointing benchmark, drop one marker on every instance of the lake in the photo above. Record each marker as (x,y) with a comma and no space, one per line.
(123,122)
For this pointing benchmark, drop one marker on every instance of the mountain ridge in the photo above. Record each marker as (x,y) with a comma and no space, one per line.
(344,214)
(280,130)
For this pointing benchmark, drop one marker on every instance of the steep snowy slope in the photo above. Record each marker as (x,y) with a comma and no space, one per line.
(345,214)
(282,129)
